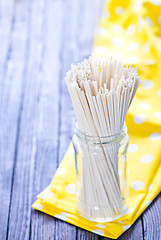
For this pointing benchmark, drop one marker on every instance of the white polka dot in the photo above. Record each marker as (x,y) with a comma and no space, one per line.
(149,21)
(137,5)
(117,28)
(42,195)
(156,2)
(126,227)
(65,214)
(144,106)
(147,158)
(116,55)
(133,148)
(159,93)
(133,46)
(122,222)
(146,48)
(47,193)
(38,206)
(119,171)
(137,185)
(130,210)
(100,226)
(99,232)
(128,171)
(71,188)
(131,29)
(132,59)
(127,211)
(148,203)
(150,62)
(140,24)
(158,114)
(147,84)
(150,187)
(61,217)
(119,10)
(102,32)
(159,48)
(159,19)
(60,171)
(155,136)
(117,41)
(139,119)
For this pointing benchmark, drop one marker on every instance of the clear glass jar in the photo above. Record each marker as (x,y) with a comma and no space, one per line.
(100,165)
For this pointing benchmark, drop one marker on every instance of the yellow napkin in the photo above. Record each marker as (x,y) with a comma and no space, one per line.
(130,31)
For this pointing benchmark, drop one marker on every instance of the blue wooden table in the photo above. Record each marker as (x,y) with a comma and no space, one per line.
(39,39)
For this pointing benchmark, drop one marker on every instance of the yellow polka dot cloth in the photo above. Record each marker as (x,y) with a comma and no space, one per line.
(130,31)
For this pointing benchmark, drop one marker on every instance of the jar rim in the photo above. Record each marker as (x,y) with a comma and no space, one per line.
(103,140)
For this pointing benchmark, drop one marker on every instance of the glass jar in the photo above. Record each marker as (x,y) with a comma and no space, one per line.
(100,165)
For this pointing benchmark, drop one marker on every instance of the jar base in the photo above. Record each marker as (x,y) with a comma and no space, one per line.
(104,220)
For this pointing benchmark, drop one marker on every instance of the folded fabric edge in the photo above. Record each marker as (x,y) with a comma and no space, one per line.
(64,216)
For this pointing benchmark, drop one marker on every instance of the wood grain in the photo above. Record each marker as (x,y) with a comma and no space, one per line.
(152,220)
(40,39)
(11,97)
(21,195)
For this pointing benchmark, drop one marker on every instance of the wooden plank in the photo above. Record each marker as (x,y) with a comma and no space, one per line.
(19,219)
(152,220)
(21,195)
(43,226)
(77,46)
(11,84)
(85,235)
(90,14)
(69,54)
(47,131)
